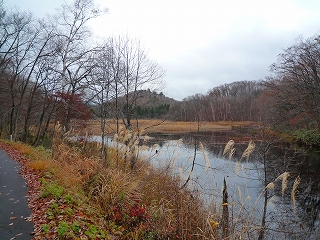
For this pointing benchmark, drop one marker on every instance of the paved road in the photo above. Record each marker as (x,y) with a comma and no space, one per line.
(14,210)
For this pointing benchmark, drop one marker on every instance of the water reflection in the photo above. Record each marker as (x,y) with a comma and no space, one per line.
(246,179)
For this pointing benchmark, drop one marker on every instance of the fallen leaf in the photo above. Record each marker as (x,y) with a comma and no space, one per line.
(214,224)
(13,218)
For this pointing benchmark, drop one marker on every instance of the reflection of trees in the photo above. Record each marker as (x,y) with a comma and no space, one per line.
(213,141)
(162,139)
(276,158)
(308,197)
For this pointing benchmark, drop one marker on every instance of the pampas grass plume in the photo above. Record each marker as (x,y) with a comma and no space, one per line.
(293,193)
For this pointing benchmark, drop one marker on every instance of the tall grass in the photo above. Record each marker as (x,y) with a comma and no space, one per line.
(247,213)
(143,202)
(133,199)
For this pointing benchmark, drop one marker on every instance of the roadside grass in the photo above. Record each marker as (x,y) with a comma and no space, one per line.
(85,195)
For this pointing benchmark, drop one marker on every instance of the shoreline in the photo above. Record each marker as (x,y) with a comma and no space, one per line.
(92,127)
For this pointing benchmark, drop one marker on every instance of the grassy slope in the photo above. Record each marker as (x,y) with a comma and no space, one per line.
(77,194)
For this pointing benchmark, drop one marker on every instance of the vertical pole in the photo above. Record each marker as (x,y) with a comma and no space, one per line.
(225,211)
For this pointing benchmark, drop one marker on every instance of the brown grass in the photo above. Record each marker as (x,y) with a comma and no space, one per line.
(111,184)
(23,148)
(160,126)
(111,187)
(38,165)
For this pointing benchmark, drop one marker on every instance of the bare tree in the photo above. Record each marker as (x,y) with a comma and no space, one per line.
(237,101)
(102,85)
(139,72)
(24,46)
(295,85)
(73,51)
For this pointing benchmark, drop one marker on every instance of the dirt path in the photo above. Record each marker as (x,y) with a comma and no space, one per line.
(15,220)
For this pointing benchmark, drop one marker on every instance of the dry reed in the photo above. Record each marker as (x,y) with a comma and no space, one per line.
(229,148)
(111,185)
(249,150)
(156,126)
(293,193)
(115,186)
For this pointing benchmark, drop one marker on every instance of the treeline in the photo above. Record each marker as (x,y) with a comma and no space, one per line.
(288,99)
(53,70)
(152,112)
(238,101)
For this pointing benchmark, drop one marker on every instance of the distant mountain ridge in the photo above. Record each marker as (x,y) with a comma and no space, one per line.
(150,104)
(150,98)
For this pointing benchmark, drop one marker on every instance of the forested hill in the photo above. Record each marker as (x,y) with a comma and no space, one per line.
(152,98)
(237,101)
(149,104)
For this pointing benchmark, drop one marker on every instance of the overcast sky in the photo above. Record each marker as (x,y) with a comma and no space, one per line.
(202,44)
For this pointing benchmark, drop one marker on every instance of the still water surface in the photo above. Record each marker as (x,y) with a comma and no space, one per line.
(245,178)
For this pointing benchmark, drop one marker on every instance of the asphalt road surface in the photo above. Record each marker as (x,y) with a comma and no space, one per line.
(14,211)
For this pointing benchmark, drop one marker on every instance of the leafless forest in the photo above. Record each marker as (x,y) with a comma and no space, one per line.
(54,70)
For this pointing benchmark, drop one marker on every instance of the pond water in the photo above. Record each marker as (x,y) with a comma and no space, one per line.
(245,178)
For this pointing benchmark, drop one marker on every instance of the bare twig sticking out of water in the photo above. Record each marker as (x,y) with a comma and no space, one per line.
(193,163)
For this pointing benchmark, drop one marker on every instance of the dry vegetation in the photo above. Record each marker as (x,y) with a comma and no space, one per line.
(85,194)
(161,126)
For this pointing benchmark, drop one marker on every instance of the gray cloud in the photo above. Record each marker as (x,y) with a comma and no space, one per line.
(202,44)
(245,56)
